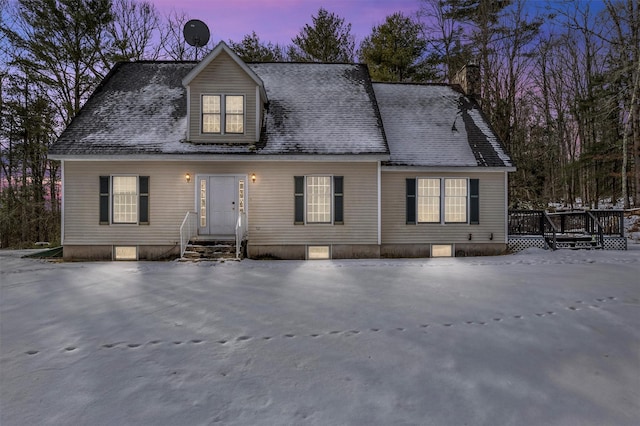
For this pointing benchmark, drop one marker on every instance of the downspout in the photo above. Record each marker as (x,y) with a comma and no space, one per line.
(379,205)
(188,133)
(62,202)
(506,207)
(258,114)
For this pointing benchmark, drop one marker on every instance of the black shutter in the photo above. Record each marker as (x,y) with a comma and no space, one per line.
(298,196)
(104,199)
(474,201)
(143,184)
(338,200)
(411,201)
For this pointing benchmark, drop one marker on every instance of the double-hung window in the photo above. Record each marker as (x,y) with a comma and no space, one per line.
(318,199)
(429,200)
(124,199)
(219,109)
(443,200)
(455,200)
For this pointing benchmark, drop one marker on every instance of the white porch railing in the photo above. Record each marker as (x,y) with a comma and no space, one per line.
(241,232)
(188,229)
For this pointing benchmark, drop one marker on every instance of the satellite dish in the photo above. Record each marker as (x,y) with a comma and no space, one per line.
(196,33)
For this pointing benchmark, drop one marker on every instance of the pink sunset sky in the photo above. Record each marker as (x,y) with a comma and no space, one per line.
(278,21)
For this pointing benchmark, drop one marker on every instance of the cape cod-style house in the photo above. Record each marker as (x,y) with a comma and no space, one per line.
(291,160)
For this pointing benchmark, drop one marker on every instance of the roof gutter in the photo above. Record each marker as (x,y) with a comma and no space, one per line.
(443,169)
(316,158)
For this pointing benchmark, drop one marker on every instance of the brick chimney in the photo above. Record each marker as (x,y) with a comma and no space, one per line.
(469,79)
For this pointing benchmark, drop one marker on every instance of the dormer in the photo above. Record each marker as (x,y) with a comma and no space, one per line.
(225,99)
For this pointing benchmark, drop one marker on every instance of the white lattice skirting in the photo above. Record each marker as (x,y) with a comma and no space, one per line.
(615,243)
(517,243)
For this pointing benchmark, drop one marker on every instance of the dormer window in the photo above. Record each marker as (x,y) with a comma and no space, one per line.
(227,109)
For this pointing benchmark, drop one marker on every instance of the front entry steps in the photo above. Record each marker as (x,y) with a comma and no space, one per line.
(212,249)
(575,242)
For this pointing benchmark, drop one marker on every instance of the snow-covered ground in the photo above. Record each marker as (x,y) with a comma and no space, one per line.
(536,338)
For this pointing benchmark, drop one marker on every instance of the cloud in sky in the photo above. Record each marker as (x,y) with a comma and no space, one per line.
(278,21)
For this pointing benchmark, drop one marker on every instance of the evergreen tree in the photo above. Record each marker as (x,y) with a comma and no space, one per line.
(251,49)
(394,51)
(59,45)
(329,39)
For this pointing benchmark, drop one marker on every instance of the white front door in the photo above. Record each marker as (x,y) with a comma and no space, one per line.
(217,205)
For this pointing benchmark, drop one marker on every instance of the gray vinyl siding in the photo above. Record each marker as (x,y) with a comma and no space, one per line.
(169,199)
(223,76)
(395,230)
(270,202)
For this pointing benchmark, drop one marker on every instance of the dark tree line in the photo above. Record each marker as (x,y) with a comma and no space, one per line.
(560,85)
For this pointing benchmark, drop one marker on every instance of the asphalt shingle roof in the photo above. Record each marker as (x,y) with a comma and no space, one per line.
(436,125)
(140,108)
(320,109)
(313,109)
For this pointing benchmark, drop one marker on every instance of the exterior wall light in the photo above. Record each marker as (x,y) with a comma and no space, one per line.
(187,177)
(253,177)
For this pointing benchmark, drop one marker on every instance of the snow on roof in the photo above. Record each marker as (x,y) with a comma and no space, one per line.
(320,109)
(327,109)
(435,125)
(140,108)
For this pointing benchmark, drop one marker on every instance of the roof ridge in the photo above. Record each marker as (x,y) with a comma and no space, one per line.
(409,83)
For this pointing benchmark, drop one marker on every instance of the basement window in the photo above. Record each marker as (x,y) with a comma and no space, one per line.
(125,253)
(441,250)
(318,252)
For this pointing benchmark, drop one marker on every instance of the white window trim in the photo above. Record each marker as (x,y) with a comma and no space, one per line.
(467,200)
(115,255)
(310,247)
(442,201)
(112,194)
(440,250)
(331,200)
(223,113)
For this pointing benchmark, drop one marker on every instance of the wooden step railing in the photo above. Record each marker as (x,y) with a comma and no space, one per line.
(568,227)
